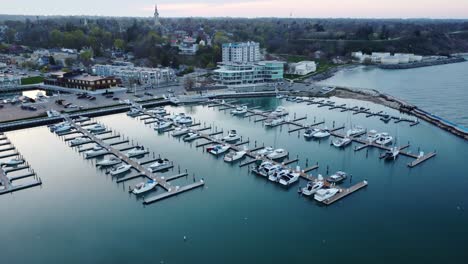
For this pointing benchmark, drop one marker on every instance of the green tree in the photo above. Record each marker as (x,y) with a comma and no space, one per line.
(119,44)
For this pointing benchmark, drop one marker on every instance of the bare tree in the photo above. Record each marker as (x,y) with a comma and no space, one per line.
(189,83)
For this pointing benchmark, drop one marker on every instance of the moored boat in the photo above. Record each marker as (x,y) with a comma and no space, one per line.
(324,194)
(160,165)
(13,162)
(109,162)
(312,187)
(232,136)
(341,142)
(137,151)
(338,177)
(278,154)
(144,187)
(218,149)
(384,139)
(239,110)
(120,169)
(234,156)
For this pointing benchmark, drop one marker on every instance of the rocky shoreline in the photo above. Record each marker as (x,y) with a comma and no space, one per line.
(400,105)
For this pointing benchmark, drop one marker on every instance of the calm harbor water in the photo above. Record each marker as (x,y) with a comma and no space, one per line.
(81,215)
(441,90)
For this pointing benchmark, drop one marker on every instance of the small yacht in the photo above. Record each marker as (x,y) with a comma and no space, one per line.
(386,118)
(185,120)
(341,142)
(289,178)
(265,151)
(372,136)
(271,122)
(357,130)
(263,168)
(218,149)
(53,128)
(309,132)
(191,136)
(160,165)
(162,125)
(280,111)
(324,194)
(137,151)
(239,110)
(392,153)
(97,150)
(79,141)
(157,111)
(180,131)
(97,128)
(338,177)
(109,162)
(63,128)
(312,187)
(120,169)
(384,139)
(144,187)
(82,119)
(277,174)
(134,112)
(321,133)
(13,162)
(234,156)
(278,154)
(231,137)
(279,96)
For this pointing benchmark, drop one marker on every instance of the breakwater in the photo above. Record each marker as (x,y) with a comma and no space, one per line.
(421,64)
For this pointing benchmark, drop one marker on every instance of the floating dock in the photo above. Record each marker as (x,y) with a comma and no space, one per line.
(7,184)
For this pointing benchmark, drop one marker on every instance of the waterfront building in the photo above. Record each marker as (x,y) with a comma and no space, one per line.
(387,58)
(302,67)
(7,81)
(241,52)
(232,74)
(82,81)
(141,75)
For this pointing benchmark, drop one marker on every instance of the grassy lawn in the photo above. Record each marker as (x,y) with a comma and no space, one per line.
(32,80)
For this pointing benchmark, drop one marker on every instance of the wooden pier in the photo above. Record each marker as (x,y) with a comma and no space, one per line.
(7,184)
(142,171)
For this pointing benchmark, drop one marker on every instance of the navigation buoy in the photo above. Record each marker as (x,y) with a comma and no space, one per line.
(185,238)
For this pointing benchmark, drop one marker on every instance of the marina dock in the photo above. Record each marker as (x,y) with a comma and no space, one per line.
(7,183)
(142,171)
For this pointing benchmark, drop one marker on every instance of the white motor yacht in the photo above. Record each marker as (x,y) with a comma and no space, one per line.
(97,128)
(53,113)
(218,149)
(280,111)
(160,165)
(97,150)
(272,122)
(324,194)
(263,168)
(341,142)
(279,96)
(134,112)
(180,131)
(144,186)
(372,136)
(120,169)
(63,128)
(239,110)
(162,125)
(278,154)
(275,176)
(234,156)
(309,132)
(79,141)
(321,133)
(137,151)
(53,128)
(13,162)
(289,178)
(109,162)
(356,130)
(338,177)
(384,139)
(312,187)
(265,151)
(157,111)
(191,136)
(231,137)
(82,119)
(182,119)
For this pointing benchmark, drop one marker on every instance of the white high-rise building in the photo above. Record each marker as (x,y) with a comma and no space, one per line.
(241,52)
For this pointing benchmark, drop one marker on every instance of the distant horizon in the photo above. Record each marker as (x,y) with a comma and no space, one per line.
(307,9)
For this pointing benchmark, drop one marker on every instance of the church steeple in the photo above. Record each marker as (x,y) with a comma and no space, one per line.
(156,16)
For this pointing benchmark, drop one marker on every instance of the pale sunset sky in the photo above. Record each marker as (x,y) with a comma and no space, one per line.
(244,8)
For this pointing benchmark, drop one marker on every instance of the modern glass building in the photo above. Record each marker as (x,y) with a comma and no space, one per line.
(249,74)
